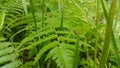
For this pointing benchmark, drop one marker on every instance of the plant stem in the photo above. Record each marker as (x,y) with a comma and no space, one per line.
(34,18)
(33,13)
(108,33)
(76,56)
(97,21)
(116,50)
(62,16)
(43,11)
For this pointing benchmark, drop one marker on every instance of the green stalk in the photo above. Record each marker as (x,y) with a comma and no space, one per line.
(105,10)
(49,63)
(87,56)
(76,55)
(33,13)
(117,17)
(34,18)
(108,32)
(43,11)
(2,17)
(116,49)
(95,55)
(62,16)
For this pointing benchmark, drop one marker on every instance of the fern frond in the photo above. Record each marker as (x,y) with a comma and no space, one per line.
(44,49)
(8,56)
(62,56)
(14,64)
(58,43)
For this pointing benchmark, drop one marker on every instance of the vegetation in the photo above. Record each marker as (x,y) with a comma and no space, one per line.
(59,33)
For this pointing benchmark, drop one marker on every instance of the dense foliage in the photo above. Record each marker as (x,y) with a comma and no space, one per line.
(59,33)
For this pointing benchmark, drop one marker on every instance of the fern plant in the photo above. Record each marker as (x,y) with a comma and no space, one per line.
(57,42)
(42,34)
